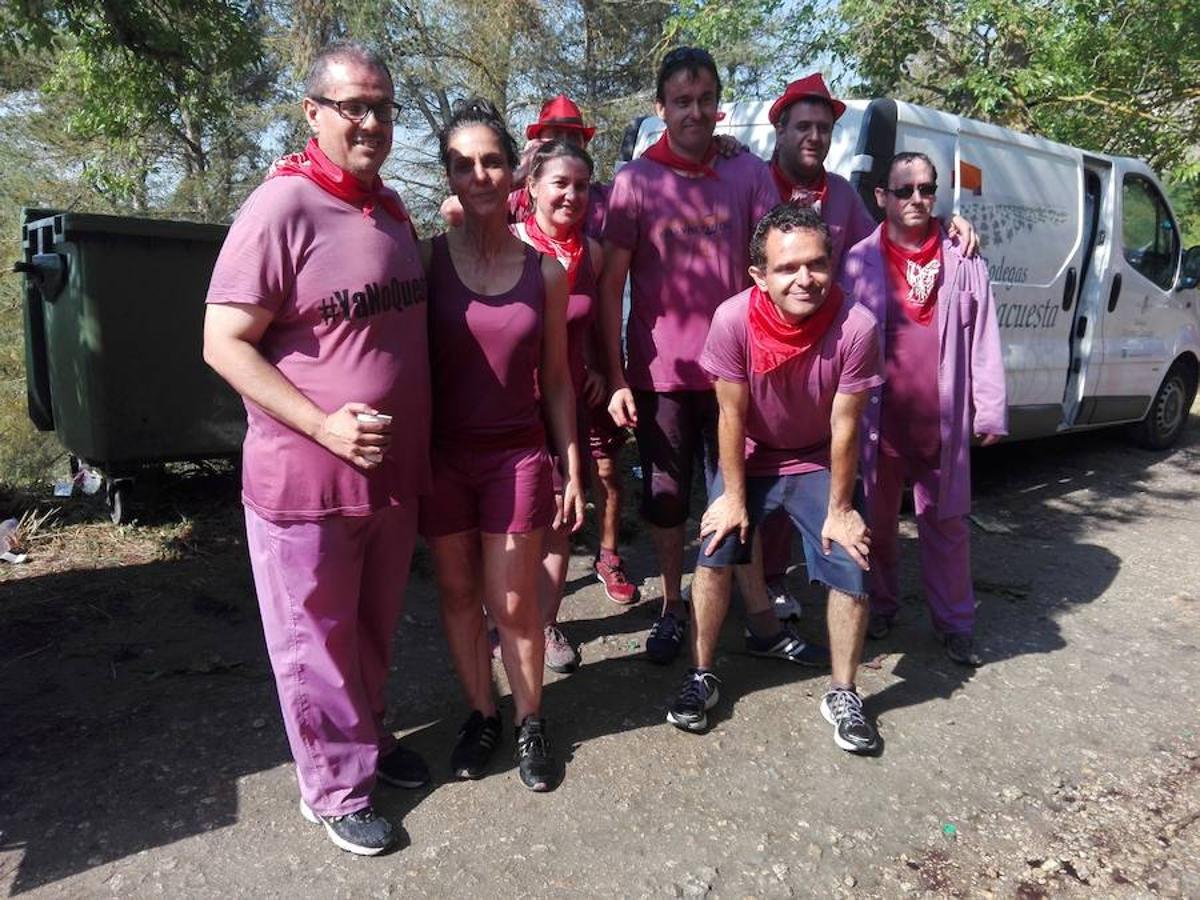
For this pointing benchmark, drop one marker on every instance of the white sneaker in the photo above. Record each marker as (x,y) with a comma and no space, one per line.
(786,606)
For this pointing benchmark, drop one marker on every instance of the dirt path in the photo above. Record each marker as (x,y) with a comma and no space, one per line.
(141,751)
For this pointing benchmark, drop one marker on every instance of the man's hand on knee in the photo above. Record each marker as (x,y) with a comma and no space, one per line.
(724,517)
(847,528)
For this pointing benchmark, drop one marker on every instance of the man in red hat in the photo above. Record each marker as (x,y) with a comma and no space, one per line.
(803,116)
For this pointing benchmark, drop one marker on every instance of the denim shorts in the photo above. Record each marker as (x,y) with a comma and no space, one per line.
(805,499)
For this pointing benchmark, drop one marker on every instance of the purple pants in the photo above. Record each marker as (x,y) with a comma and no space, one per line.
(330,592)
(944,546)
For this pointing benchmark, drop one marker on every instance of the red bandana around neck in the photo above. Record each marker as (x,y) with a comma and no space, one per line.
(568,251)
(790,192)
(913,274)
(314,165)
(661,153)
(774,341)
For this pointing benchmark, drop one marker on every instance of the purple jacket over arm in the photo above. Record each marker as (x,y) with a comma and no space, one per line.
(971,386)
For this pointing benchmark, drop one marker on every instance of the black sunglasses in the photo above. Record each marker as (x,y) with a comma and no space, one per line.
(356,110)
(927,189)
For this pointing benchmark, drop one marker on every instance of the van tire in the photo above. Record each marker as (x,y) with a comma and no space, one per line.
(1168,413)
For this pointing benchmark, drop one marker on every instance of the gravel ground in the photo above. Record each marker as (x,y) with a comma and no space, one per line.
(141,751)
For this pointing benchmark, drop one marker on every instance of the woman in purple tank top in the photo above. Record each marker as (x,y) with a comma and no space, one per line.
(560,175)
(498,354)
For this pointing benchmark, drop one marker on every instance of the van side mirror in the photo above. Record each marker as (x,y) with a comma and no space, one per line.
(1189,272)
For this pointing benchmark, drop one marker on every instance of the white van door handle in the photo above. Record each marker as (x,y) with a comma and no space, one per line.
(1114,293)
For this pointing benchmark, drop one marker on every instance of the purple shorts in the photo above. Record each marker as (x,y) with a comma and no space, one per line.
(495,491)
(605,437)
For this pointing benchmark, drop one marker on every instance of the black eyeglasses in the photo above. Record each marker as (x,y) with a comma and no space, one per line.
(356,110)
(927,189)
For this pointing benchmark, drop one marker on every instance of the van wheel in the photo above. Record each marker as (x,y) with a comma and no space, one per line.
(1168,413)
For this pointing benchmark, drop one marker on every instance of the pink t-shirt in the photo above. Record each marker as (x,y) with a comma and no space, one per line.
(910,417)
(347,298)
(787,424)
(847,217)
(690,239)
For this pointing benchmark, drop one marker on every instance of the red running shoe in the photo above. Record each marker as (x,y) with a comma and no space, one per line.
(617,586)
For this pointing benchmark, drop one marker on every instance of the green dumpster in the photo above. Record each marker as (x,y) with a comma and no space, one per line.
(114,318)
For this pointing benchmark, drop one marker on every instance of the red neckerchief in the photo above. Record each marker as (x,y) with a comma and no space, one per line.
(790,192)
(662,154)
(913,274)
(314,165)
(569,252)
(773,341)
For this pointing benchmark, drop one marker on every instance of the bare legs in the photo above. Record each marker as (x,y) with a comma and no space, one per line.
(499,572)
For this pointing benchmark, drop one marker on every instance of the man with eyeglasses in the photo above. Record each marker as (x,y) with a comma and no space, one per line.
(679,223)
(945,382)
(317,317)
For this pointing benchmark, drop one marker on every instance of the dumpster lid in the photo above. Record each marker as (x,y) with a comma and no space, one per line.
(69,225)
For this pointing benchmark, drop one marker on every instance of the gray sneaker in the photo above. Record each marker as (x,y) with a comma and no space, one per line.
(560,655)
(960,648)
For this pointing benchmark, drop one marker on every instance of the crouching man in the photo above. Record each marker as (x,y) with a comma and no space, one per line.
(793,361)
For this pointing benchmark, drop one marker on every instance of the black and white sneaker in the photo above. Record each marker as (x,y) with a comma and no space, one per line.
(535,762)
(363,832)
(789,646)
(477,741)
(852,730)
(402,768)
(699,694)
(665,639)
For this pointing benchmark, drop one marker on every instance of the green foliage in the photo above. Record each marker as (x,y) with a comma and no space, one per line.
(1114,76)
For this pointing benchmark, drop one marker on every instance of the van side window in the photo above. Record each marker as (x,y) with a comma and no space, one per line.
(1148,232)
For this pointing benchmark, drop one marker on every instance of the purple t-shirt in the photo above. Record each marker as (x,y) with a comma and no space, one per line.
(690,239)
(787,424)
(347,297)
(846,215)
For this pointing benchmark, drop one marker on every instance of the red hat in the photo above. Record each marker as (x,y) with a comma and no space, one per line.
(809,87)
(560,112)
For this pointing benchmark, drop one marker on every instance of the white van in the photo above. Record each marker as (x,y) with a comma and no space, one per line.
(1096,300)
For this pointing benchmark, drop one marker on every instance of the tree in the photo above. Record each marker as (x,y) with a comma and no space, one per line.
(1114,76)
(162,93)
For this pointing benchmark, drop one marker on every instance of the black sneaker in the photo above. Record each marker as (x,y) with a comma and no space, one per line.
(535,763)
(879,626)
(851,729)
(363,832)
(699,694)
(402,768)
(789,646)
(960,648)
(477,741)
(665,639)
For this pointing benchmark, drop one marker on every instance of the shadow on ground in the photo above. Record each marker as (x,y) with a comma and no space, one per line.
(138,694)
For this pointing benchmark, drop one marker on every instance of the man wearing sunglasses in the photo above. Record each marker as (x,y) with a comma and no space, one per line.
(945,382)
(317,317)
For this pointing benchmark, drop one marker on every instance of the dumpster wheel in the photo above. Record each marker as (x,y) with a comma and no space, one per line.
(116,497)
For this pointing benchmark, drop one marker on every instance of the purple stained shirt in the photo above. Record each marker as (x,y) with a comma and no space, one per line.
(690,243)
(787,424)
(346,326)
